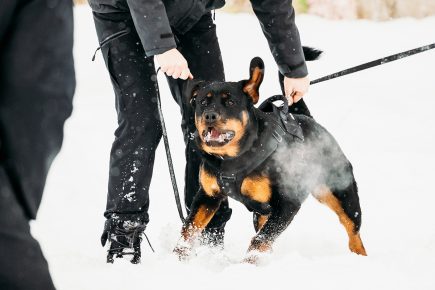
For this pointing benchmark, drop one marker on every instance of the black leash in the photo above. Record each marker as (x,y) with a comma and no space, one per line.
(374,63)
(169,157)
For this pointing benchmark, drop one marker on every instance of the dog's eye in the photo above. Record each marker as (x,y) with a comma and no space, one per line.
(229,102)
(204,102)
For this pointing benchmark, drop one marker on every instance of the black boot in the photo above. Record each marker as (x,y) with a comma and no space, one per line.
(124,237)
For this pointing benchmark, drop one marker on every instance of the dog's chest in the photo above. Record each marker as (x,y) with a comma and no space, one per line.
(253,191)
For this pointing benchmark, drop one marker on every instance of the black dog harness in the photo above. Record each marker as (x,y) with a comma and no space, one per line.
(278,126)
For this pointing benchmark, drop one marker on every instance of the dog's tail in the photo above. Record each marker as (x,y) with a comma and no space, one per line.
(311,53)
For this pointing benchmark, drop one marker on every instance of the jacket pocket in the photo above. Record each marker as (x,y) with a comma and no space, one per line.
(126,61)
(114,36)
(105,50)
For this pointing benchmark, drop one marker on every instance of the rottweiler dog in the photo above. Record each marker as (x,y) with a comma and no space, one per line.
(267,159)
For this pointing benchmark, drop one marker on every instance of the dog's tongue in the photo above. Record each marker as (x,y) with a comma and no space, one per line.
(214,133)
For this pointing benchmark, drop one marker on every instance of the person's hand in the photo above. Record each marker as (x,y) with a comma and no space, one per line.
(295,89)
(173,64)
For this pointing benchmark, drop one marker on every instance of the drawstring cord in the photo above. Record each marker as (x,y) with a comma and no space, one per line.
(131,236)
(149,243)
(109,39)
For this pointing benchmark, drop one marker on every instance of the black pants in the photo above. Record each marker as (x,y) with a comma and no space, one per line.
(138,134)
(36,88)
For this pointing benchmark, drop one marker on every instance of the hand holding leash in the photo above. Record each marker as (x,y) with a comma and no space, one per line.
(173,64)
(295,88)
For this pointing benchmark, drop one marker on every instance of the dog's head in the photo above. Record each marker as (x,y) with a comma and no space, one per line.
(223,110)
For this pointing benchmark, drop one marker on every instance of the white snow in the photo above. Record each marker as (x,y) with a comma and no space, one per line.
(383,118)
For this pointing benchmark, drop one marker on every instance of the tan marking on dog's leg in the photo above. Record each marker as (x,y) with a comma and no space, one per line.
(257,247)
(201,219)
(257,188)
(208,182)
(325,196)
(261,220)
(260,247)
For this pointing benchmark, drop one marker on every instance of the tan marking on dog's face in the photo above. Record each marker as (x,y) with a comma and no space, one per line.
(208,182)
(325,196)
(261,220)
(209,95)
(253,84)
(257,188)
(231,149)
(200,126)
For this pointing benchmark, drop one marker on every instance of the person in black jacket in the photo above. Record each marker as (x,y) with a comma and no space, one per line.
(181,35)
(37,84)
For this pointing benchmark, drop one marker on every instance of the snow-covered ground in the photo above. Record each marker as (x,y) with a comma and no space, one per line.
(383,118)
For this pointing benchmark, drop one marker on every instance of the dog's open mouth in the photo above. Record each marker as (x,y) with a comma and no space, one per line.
(215,137)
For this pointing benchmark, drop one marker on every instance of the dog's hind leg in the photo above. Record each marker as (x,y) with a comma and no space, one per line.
(345,203)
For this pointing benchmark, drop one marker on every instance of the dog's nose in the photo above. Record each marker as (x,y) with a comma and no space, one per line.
(211,117)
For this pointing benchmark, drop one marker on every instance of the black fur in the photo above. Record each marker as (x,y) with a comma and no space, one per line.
(294,170)
(311,53)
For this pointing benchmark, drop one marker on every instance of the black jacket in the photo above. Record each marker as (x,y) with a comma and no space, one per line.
(155,19)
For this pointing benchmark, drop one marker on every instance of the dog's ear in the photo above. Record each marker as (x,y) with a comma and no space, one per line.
(256,73)
(190,90)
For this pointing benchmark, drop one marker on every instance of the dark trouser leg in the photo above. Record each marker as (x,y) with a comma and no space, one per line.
(22,265)
(138,134)
(36,88)
(201,49)
(297,108)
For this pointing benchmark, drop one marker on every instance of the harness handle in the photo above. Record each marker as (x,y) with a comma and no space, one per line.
(275,98)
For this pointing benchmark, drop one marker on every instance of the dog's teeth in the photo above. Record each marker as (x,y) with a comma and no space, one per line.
(207,137)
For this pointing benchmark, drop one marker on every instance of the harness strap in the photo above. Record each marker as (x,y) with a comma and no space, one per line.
(277,128)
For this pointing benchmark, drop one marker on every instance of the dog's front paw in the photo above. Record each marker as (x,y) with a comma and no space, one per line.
(257,258)
(251,258)
(183,250)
